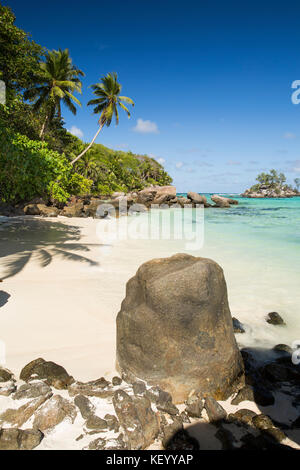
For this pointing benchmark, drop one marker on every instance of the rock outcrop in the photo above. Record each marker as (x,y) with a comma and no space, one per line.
(265,191)
(175,329)
(52,373)
(221,201)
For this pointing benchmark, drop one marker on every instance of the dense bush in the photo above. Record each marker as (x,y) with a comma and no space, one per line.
(28,169)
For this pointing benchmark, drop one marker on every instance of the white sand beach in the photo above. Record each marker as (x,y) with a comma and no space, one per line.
(63,282)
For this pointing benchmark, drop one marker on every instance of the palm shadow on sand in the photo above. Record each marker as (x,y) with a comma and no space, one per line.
(21,239)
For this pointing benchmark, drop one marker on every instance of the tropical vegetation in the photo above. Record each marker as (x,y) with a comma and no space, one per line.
(38,156)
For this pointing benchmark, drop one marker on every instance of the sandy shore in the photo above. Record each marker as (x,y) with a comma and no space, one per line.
(63,283)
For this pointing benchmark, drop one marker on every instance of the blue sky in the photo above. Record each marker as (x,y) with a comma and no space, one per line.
(211,81)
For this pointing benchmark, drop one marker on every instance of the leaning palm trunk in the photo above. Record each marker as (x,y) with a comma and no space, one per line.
(43,128)
(89,146)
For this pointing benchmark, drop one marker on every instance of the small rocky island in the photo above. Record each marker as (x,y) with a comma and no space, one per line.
(271,185)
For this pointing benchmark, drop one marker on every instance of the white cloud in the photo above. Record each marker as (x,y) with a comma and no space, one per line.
(146,127)
(161,160)
(76,131)
(289,135)
(179,164)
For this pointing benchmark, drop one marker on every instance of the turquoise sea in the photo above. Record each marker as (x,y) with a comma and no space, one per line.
(258,245)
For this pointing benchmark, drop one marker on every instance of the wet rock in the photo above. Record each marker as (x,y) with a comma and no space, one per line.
(263,397)
(17,417)
(275,372)
(275,319)
(5,375)
(296,423)
(139,422)
(245,394)
(283,348)
(237,326)
(180,301)
(54,374)
(96,388)
(194,406)
(85,406)
(116,381)
(54,412)
(20,439)
(32,390)
(95,422)
(215,411)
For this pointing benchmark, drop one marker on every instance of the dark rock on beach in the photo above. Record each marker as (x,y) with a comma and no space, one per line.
(180,301)
(20,439)
(275,319)
(5,375)
(214,410)
(194,406)
(54,374)
(138,420)
(237,326)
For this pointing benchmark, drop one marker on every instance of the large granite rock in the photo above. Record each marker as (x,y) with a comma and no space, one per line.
(222,201)
(156,195)
(175,329)
(20,439)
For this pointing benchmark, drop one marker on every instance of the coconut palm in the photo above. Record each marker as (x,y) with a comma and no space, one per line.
(56,83)
(88,166)
(106,104)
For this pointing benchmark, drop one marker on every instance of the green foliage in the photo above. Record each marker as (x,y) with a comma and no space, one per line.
(297,183)
(108,99)
(28,169)
(58,79)
(120,171)
(19,58)
(271,179)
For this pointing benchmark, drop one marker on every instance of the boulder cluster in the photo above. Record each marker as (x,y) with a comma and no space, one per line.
(99,206)
(117,415)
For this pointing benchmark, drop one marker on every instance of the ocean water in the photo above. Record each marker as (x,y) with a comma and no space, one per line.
(257,243)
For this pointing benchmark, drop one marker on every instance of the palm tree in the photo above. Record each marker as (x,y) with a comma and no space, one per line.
(57,82)
(106,104)
(88,166)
